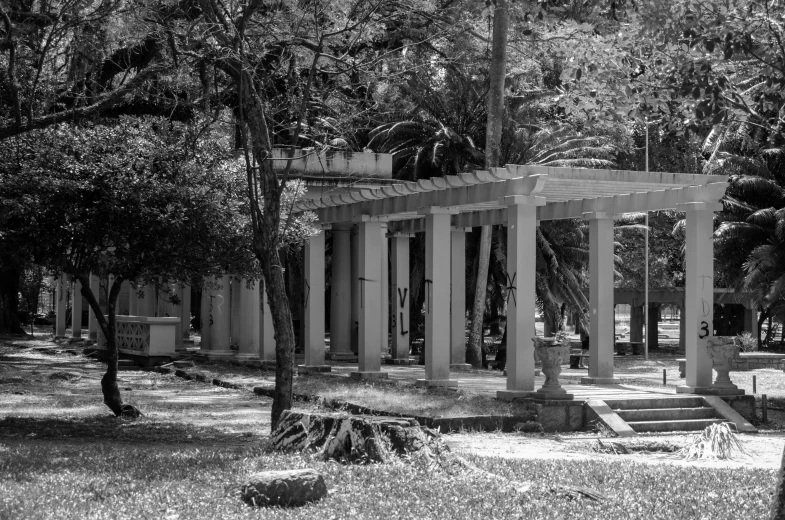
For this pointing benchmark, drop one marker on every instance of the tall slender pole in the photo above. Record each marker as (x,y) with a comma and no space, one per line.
(646,263)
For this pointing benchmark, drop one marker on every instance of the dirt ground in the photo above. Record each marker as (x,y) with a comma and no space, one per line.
(48,393)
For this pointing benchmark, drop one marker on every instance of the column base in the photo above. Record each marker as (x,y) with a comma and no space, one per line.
(368,375)
(709,390)
(600,381)
(537,372)
(402,361)
(220,354)
(345,357)
(437,383)
(460,367)
(313,369)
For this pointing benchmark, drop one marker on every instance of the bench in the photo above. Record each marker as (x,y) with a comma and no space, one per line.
(576,359)
(635,347)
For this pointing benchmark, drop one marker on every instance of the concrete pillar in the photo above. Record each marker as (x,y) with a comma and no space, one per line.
(698,294)
(204,314)
(219,319)
(186,312)
(163,305)
(355,282)
(92,321)
(682,328)
(458,299)
(147,303)
(250,330)
(122,300)
(133,300)
(76,310)
(437,297)
(751,320)
(176,311)
(400,288)
(521,273)
(384,316)
(653,334)
(369,299)
(235,307)
(601,330)
(267,332)
(313,305)
(341,323)
(60,305)
(636,322)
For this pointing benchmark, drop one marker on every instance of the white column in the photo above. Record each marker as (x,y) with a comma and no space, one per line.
(186,312)
(458,299)
(219,319)
(164,306)
(355,282)
(204,314)
(521,274)
(235,310)
(341,323)
(437,297)
(698,294)
(61,304)
(267,332)
(123,303)
(133,300)
(384,317)
(176,311)
(601,332)
(76,310)
(105,308)
(369,337)
(313,305)
(249,321)
(400,289)
(92,322)
(147,303)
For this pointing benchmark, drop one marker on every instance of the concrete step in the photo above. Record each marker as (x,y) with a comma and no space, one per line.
(668,414)
(685,425)
(655,402)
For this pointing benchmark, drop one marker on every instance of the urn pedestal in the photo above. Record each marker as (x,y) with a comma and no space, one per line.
(551,354)
(722,350)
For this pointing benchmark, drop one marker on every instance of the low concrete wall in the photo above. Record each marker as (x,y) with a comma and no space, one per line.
(748,361)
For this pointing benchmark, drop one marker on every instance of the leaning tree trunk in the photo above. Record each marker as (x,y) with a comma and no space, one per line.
(493,138)
(9,301)
(778,503)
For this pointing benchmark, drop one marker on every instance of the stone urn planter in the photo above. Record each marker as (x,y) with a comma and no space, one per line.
(722,350)
(551,353)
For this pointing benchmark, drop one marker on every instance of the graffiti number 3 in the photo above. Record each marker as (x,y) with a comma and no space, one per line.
(704,330)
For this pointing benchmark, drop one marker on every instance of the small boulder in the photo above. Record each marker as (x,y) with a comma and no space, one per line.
(290,488)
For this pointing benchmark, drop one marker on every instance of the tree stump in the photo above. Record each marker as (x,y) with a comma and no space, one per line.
(284,488)
(354,438)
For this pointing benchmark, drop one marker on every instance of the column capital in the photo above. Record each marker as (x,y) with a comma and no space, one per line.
(437,210)
(342,226)
(325,227)
(399,234)
(529,200)
(597,215)
(460,229)
(699,206)
(368,218)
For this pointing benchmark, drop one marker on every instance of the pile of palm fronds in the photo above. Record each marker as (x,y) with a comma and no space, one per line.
(717,441)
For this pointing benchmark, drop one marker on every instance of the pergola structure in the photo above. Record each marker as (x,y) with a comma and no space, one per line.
(518,197)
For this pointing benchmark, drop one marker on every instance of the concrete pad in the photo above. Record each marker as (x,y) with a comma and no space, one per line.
(438,383)
(729,414)
(405,361)
(600,381)
(220,354)
(608,417)
(341,357)
(313,369)
(368,375)
(708,390)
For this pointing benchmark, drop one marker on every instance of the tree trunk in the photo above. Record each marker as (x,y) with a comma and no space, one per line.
(493,137)
(9,301)
(778,503)
(763,315)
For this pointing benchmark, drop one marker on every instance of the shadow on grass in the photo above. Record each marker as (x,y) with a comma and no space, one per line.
(107,427)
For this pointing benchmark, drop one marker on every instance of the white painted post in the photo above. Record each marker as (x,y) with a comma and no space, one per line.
(521,276)
(369,285)
(698,294)
(313,305)
(186,312)
(176,311)
(400,289)
(61,304)
(250,331)
(384,316)
(220,307)
(92,321)
(601,330)
(267,332)
(437,297)
(458,299)
(235,310)
(204,315)
(76,310)
(341,323)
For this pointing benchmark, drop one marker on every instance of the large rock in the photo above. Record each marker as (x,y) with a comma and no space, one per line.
(354,438)
(290,488)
